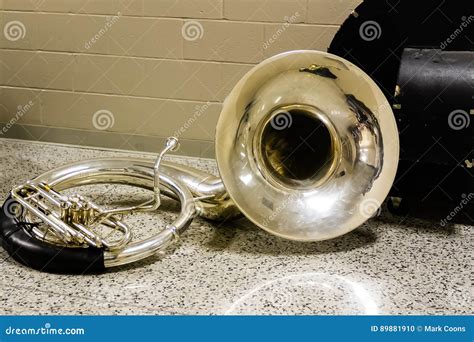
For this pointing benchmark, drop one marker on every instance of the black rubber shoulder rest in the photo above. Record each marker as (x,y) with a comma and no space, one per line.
(42,256)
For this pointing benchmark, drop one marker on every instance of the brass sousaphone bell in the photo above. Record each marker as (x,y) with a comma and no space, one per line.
(307,149)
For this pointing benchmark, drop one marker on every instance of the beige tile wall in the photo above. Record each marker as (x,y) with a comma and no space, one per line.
(141,69)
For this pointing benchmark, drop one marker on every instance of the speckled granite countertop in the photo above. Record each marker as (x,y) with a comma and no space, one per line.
(390,265)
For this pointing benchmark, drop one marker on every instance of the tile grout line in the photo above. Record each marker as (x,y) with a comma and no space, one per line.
(180,18)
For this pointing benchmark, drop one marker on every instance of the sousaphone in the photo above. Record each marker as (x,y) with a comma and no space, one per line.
(306,146)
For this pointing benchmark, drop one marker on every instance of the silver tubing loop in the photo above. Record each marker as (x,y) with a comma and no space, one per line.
(140,250)
(68,220)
